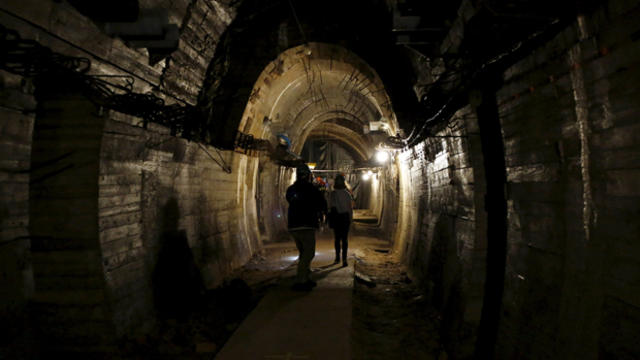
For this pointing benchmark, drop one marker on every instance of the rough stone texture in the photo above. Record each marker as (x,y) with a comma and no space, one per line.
(569,114)
(156,189)
(16,273)
(97,203)
(59,26)
(105,200)
(68,304)
(201,28)
(83,242)
(441,203)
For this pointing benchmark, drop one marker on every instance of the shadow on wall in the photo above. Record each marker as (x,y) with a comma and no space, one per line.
(444,279)
(177,283)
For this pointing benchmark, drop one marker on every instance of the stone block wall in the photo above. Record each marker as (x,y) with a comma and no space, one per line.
(441,205)
(17,113)
(161,194)
(569,116)
(68,306)
(202,25)
(95,249)
(61,27)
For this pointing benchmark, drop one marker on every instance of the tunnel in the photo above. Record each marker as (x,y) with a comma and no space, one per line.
(491,149)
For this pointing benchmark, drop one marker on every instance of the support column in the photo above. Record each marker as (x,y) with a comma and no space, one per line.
(496,208)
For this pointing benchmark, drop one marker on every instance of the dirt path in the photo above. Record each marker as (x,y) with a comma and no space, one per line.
(390,317)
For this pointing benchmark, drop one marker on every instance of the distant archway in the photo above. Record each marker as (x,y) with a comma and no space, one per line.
(309,90)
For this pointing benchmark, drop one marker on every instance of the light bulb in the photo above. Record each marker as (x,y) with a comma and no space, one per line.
(365,176)
(382,156)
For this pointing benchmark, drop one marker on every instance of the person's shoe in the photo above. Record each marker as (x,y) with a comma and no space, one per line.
(302,286)
(337,260)
(344,263)
(311,283)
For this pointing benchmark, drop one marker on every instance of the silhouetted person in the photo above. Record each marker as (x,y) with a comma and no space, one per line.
(342,214)
(306,206)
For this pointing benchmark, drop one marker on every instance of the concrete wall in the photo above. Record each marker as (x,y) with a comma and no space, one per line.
(119,217)
(442,235)
(180,76)
(569,114)
(68,306)
(273,181)
(109,197)
(158,194)
(569,124)
(17,111)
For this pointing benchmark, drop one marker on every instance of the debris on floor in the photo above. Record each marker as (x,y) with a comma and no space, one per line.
(391,316)
(392,320)
(364,279)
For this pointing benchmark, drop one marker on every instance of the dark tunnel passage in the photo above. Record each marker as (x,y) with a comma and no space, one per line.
(491,147)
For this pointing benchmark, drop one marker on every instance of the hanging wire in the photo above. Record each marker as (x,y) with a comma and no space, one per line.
(28,58)
(94,55)
(220,162)
(295,16)
(415,136)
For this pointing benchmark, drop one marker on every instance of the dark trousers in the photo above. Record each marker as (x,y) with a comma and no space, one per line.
(341,233)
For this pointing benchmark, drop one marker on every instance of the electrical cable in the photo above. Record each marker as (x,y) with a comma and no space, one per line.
(295,16)
(225,167)
(410,140)
(94,55)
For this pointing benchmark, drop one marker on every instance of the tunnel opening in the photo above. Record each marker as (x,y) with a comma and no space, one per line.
(504,215)
(311,91)
(330,158)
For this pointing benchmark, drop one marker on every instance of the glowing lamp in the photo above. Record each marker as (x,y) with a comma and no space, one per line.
(382,156)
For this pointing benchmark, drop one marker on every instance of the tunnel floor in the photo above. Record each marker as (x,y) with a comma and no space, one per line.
(368,310)
(299,325)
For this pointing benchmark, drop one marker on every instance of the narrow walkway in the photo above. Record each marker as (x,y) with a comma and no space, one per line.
(300,325)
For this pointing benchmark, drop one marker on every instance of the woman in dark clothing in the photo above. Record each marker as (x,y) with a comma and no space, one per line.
(342,209)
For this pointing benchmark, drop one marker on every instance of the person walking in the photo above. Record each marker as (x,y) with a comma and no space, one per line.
(342,213)
(306,206)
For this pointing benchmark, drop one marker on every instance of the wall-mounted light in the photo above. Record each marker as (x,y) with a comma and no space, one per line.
(367,175)
(382,156)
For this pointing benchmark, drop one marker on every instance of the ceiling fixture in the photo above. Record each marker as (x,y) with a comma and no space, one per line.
(382,156)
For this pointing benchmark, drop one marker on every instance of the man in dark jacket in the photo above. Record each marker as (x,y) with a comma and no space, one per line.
(306,206)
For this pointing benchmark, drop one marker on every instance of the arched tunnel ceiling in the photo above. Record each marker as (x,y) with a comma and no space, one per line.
(262,30)
(428,54)
(354,143)
(318,86)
